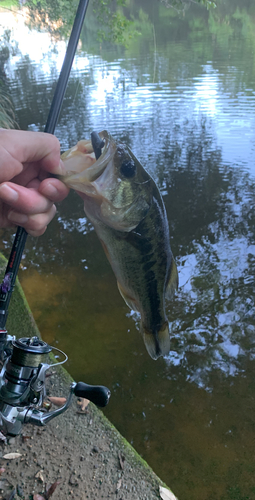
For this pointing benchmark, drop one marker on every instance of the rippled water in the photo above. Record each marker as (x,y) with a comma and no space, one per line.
(184,101)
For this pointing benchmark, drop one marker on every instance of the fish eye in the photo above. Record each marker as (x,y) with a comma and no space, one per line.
(128,169)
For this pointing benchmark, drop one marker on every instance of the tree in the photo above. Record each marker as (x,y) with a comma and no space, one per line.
(113,16)
(182,4)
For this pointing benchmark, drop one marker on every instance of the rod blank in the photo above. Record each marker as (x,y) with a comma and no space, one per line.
(21,234)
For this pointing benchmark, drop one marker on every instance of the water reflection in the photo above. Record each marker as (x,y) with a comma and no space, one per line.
(211,211)
(120,91)
(187,111)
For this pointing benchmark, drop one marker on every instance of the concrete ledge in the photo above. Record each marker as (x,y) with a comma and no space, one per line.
(79,450)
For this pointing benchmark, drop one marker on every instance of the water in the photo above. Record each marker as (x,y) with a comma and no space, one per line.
(182,95)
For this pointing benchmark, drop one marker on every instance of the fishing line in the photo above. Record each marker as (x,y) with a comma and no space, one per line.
(7,285)
(61,352)
(76,91)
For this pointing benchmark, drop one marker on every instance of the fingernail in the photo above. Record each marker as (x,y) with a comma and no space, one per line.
(7,193)
(17,217)
(51,191)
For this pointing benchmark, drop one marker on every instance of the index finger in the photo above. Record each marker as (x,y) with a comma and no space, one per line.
(18,147)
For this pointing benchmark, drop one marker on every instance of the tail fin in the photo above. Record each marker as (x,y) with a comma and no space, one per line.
(157,344)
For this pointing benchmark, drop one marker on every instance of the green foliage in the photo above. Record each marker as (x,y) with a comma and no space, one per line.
(208,4)
(182,4)
(7,116)
(114,21)
(8,4)
(116,26)
(57,16)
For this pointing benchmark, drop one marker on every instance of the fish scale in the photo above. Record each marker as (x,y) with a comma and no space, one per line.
(126,208)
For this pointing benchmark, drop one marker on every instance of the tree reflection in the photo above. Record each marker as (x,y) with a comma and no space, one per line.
(213,321)
(210,208)
(7,48)
(211,212)
(32,92)
(107,18)
(147,98)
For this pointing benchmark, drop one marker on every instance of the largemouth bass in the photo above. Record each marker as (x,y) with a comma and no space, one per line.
(127,211)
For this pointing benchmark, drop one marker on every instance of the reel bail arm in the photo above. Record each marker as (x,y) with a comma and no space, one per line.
(22,386)
(97,394)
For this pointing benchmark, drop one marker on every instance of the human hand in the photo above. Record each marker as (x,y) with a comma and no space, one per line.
(28,200)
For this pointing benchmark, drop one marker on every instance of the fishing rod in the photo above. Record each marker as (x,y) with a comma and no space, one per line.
(7,285)
(23,375)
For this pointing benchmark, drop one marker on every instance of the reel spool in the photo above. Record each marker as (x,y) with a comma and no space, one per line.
(22,385)
(21,368)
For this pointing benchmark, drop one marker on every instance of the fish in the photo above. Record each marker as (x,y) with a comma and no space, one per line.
(125,206)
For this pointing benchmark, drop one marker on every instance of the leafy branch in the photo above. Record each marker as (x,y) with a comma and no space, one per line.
(116,26)
(182,4)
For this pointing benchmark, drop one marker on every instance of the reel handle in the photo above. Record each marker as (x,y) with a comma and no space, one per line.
(98,394)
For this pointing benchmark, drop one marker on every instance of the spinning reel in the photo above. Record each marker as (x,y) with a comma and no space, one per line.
(22,384)
(23,374)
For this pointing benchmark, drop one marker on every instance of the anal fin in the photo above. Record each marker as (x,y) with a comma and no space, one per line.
(172,284)
(130,301)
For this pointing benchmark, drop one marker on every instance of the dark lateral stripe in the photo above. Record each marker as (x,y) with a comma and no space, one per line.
(148,265)
(154,299)
(146,247)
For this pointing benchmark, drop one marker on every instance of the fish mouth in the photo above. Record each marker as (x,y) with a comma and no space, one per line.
(91,172)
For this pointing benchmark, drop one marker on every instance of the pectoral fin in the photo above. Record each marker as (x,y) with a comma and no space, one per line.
(130,301)
(173,281)
(157,344)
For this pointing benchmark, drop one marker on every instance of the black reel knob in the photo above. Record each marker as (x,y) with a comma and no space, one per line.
(98,394)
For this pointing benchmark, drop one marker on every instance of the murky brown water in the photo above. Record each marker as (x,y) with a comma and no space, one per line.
(184,101)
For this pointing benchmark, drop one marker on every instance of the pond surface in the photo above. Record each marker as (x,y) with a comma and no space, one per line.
(182,95)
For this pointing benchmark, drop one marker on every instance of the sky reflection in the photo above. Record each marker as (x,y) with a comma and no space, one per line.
(114,98)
